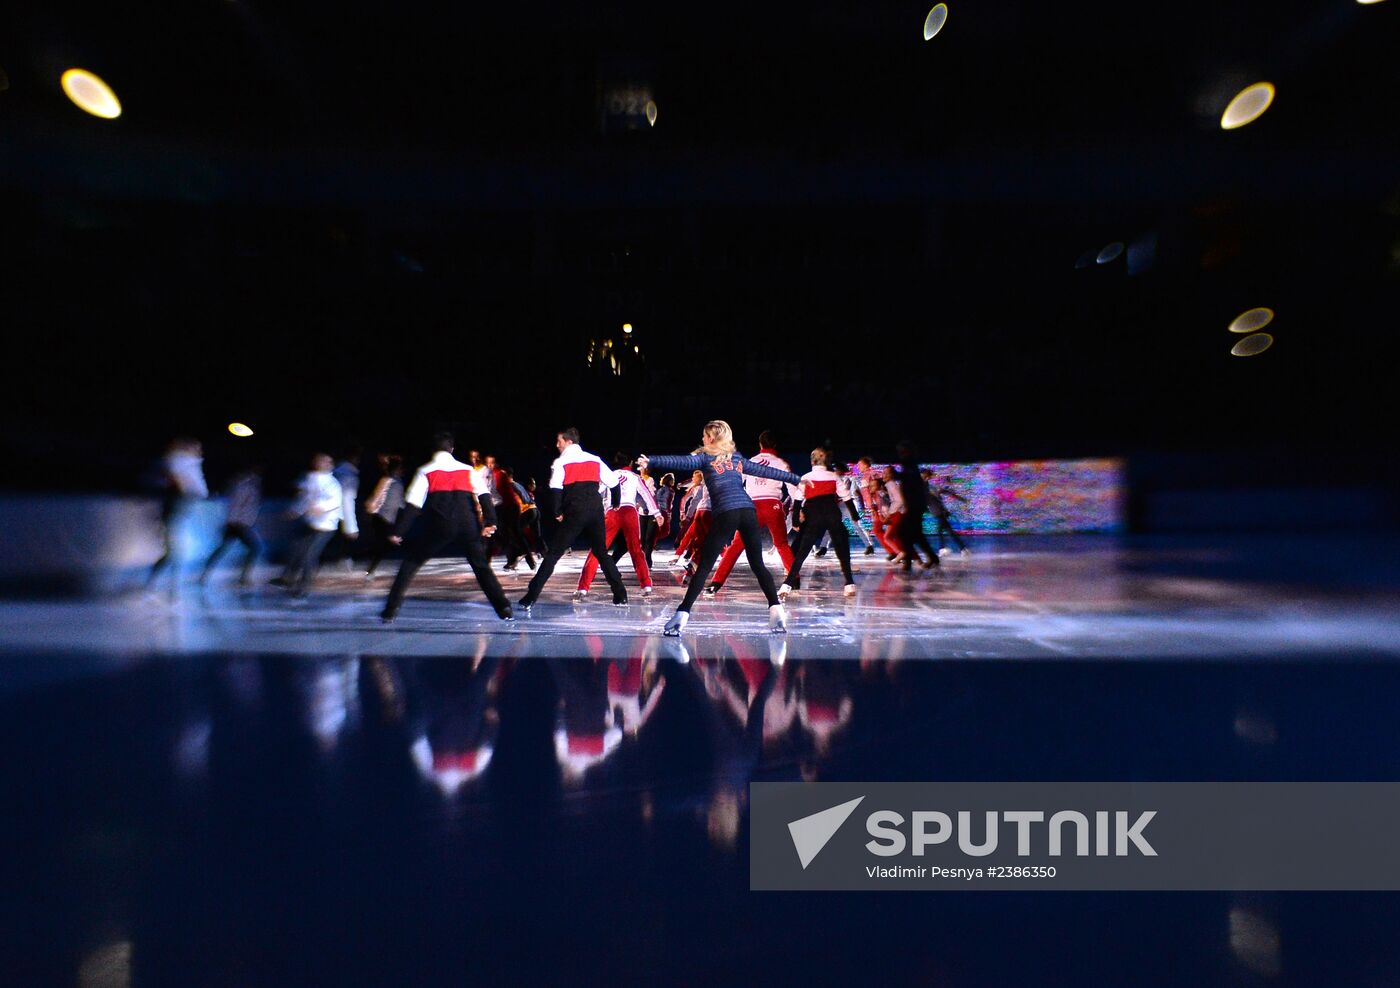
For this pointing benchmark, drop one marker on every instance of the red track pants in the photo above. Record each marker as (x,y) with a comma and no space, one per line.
(623,519)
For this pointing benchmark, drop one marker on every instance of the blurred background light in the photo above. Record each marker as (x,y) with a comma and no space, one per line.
(627,327)
(240,430)
(1255,942)
(1251,345)
(109,966)
(651,112)
(1110,253)
(1248,105)
(1252,320)
(935,20)
(91,94)
(1142,254)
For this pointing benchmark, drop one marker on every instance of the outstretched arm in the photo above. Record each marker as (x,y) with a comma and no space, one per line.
(766,472)
(675,464)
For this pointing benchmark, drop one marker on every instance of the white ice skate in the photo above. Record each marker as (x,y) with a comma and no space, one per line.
(777,620)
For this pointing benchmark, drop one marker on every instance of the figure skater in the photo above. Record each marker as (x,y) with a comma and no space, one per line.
(723,471)
(820,516)
(573,482)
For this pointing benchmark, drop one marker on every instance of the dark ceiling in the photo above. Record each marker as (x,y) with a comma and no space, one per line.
(370,219)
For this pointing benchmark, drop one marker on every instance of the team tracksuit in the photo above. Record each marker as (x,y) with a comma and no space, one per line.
(846,488)
(453,504)
(821,515)
(573,483)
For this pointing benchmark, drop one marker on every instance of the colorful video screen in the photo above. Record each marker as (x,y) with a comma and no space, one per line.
(1026,497)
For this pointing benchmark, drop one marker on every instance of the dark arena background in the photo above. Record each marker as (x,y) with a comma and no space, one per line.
(1121,277)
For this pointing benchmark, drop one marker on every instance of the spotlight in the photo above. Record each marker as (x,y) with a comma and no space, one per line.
(1252,320)
(1251,345)
(935,20)
(1367,3)
(1248,105)
(240,430)
(91,94)
(651,113)
(1110,253)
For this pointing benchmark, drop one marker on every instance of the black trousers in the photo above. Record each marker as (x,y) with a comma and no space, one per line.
(821,516)
(428,544)
(234,532)
(304,558)
(946,528)
(911,533)
(586,521)
(530,529)
(381,528)
(649,530)
(723,525)
(511,535)
(850,508)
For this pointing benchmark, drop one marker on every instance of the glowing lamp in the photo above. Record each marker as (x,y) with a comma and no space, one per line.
(91,94)
(1252,320)
(240,430)
(1248,105)
(1251,345)
(935,20)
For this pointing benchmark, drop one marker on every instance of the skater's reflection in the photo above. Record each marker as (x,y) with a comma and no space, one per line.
(328,693)
(600,700)
(754,693)
(634,688)
(824,708)
(460,723)
(584,734)
(753,711)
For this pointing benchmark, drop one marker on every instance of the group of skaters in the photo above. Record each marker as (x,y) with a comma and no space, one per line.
(731,502)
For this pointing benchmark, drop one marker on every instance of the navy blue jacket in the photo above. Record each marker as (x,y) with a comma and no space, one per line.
(725,482)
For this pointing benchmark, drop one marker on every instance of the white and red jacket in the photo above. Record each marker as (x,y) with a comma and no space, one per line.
(449,492)
(577,476)
(632,492)
(761,488)
(819,482)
